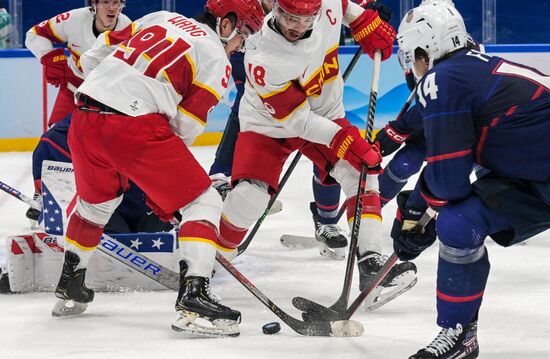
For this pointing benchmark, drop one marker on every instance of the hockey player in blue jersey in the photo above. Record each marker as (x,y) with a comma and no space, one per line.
(476,109)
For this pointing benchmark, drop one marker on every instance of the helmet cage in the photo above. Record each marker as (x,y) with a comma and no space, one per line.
(285,18)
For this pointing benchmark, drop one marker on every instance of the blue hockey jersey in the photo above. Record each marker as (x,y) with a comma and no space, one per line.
(482,109)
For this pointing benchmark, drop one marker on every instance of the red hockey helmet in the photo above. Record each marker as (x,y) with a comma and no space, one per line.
(248,12)
(300,7)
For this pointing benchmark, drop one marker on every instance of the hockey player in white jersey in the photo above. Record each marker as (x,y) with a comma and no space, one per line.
(146,100)
(293,101)
(78,29)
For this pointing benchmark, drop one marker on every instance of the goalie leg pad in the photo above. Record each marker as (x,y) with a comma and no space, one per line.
(243,205)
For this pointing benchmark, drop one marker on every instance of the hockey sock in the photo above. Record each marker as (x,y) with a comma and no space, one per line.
(197,242)
(370,231)
(82,238)
(327,199)
(461,279)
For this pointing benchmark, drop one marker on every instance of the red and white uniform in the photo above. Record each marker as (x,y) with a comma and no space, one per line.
(295,89)
(175,67)
(293,96)
(160,76)
(75,28)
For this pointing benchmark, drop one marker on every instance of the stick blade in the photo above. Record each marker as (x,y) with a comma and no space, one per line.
(346,328)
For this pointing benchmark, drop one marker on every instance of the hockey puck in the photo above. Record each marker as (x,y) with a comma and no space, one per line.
(271,328)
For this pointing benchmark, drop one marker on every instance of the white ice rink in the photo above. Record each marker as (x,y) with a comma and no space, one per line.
(514,319)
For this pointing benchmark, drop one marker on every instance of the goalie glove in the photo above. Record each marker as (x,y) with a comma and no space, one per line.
(349,145)
(408,240)
(389,140)
(55,67)
(373,34)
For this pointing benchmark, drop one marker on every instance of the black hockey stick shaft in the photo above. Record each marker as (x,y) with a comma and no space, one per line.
(300,327)
(315,311)
(403,110)
(390,262)
(342,302)
(244,245)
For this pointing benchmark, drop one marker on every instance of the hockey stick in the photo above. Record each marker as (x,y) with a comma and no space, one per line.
(304,242)
(337,328)
(244,245)
(20,196)
(317,312)
(342,302)
(116,250)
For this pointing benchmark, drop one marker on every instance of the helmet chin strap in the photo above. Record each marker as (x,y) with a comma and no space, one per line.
(223,39)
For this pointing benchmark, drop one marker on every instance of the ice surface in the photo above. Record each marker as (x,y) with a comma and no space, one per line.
(514,319)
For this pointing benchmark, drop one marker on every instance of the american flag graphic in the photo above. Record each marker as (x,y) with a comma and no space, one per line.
(52,213)
(160,242)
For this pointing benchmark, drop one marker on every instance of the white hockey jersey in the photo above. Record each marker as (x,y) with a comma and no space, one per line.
(75,28)
(163,63)
(295,89)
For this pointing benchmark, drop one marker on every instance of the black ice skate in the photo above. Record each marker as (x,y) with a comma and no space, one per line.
(399,279)
(4,281)
(331,239)
(199,315)
(452,344)
(72,292)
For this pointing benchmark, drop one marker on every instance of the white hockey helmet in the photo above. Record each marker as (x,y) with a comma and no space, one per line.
(436,27)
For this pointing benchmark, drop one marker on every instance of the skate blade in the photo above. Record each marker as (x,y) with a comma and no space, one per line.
(275,208)
(346,328)
(298,242)
(332,253)
(192,326)
(68,308)
(382,295)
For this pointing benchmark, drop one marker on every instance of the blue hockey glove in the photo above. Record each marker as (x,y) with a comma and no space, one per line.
(384,11)
(389,140)
(409,241)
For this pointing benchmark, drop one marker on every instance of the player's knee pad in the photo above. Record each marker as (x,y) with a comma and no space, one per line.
(348,178)
(206,207)
(98,213)
(458,227)
(246,203)
(242,207)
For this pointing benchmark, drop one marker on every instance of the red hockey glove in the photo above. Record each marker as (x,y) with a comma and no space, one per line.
(55,65)
(373,34)
(349,145)
(389,140)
